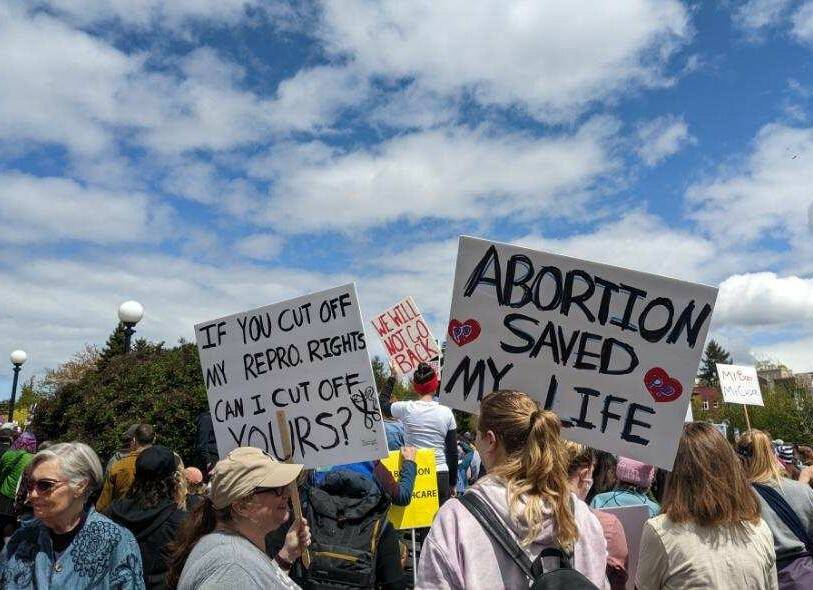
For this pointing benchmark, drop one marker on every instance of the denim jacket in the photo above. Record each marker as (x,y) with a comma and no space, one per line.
(102,555)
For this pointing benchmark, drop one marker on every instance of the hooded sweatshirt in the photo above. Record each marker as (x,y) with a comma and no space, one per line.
(153,529)
(458,554)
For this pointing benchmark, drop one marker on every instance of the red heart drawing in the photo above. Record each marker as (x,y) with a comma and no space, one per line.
(464,332)
(661,386)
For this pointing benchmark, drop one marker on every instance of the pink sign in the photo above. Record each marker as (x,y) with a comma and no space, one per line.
(406,336)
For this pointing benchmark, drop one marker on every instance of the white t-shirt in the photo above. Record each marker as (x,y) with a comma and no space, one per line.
(425,426)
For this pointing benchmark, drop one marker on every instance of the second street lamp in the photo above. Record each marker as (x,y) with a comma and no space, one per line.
(130,313)
(18,358)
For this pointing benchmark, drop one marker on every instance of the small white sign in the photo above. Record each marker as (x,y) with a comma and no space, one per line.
(307,356)
(739,384)
(612,351)
(406,337)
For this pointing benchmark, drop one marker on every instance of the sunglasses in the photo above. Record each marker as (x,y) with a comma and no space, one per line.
(278,492)
(44,486)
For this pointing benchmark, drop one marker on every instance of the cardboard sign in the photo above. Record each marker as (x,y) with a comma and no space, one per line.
(306,356)
(632,519)
(739,384)
(406,337)
(612,351)
(420,512)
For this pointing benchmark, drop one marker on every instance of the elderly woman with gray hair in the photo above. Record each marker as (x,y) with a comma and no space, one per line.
(68,544)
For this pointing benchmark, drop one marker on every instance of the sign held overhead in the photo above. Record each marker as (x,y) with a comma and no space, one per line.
(612,351)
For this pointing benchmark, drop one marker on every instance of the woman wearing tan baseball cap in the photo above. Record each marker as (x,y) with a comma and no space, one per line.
(222,542)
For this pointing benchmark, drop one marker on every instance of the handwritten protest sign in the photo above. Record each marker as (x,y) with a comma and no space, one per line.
(406,336)
(421,510)
(612,351)
(306,356)
(739,384)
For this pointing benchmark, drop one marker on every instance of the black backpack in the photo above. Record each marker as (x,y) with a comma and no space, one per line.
(347,514)
(561,578)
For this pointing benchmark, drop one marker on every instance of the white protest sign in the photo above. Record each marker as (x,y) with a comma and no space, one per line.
(612,351)
(739,384)
(307,356)
(689,414)
(406,336)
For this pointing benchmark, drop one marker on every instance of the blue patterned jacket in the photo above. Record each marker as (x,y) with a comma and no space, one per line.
(102,555)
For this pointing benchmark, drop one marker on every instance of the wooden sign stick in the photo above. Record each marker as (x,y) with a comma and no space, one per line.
(747,420)
(282,425)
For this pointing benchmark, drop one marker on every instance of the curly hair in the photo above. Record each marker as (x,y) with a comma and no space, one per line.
(149,493)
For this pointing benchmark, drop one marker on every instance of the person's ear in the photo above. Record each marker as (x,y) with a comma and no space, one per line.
(80,489)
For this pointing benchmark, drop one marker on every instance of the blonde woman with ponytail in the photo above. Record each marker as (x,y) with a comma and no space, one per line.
(527,487)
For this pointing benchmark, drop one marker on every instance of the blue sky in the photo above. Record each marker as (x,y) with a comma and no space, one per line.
(207,156)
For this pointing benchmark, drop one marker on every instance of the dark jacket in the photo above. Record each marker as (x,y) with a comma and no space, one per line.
(153,529)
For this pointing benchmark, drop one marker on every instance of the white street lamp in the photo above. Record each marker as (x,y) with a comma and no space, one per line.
(130,313)
(18,358)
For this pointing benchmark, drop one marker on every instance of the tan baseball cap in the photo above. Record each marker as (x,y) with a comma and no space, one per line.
(245,469)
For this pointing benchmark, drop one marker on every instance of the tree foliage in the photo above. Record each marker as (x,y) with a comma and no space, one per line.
(152,384)
(708,368)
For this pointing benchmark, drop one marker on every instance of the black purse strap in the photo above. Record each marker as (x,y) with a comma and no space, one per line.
(493,527)
(785,513)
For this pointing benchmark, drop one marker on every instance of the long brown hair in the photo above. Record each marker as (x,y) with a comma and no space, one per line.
(535,467)
(707,485)
(201,521)
(756,452)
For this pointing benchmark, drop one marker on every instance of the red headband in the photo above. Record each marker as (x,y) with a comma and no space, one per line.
(430,386)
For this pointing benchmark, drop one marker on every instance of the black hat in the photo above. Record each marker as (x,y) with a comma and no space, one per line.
(155,462)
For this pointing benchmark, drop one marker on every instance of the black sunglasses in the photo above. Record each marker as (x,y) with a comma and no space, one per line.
(43,486)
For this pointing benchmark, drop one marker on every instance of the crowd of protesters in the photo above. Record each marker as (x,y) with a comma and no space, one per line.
(516,501)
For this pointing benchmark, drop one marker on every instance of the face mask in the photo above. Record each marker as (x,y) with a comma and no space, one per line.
(584,488)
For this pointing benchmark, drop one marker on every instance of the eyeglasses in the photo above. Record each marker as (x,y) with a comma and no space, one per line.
(44,486)
(278,492)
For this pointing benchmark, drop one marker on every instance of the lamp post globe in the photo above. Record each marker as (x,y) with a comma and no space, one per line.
(18,358)
(130,313)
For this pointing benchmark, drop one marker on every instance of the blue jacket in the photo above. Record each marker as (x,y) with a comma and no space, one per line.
(102,555)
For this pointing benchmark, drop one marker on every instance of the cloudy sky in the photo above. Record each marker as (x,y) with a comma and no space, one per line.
(207,156)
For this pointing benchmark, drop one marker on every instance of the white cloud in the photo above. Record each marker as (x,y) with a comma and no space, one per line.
(803,22)
(643,242)
(42,210)
(260,246)
(754,15)
(764,298)
(794,353)
(768,194)
(145,13)
(552,57)
(453,174)
(662,137)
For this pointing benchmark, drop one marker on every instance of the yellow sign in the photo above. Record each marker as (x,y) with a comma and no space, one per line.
(420,512)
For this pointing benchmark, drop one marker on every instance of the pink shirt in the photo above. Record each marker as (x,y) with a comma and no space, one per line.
(458,554)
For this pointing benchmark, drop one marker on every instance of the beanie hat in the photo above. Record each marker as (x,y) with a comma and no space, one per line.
(634,472)
(425,379)
(785,453)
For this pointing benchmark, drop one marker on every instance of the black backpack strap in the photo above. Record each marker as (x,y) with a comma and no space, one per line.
(785,513)
(494,529)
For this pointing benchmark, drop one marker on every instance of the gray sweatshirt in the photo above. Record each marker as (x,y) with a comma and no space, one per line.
(800,497)
(223,560)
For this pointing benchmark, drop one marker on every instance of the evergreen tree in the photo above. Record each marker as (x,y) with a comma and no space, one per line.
(708,368)
(113,347)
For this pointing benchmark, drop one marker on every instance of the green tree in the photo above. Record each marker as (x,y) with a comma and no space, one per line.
(114,346)
(152,384)
(708,368)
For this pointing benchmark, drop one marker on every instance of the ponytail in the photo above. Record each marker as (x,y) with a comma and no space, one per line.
(201,521)
(535,468)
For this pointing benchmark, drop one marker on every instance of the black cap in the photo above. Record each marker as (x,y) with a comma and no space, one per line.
(155,462)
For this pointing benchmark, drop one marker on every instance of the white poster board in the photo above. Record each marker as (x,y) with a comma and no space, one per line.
(632,519)
(612,351)
(406,337)
(307,356)
(739,384)
(689,414)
